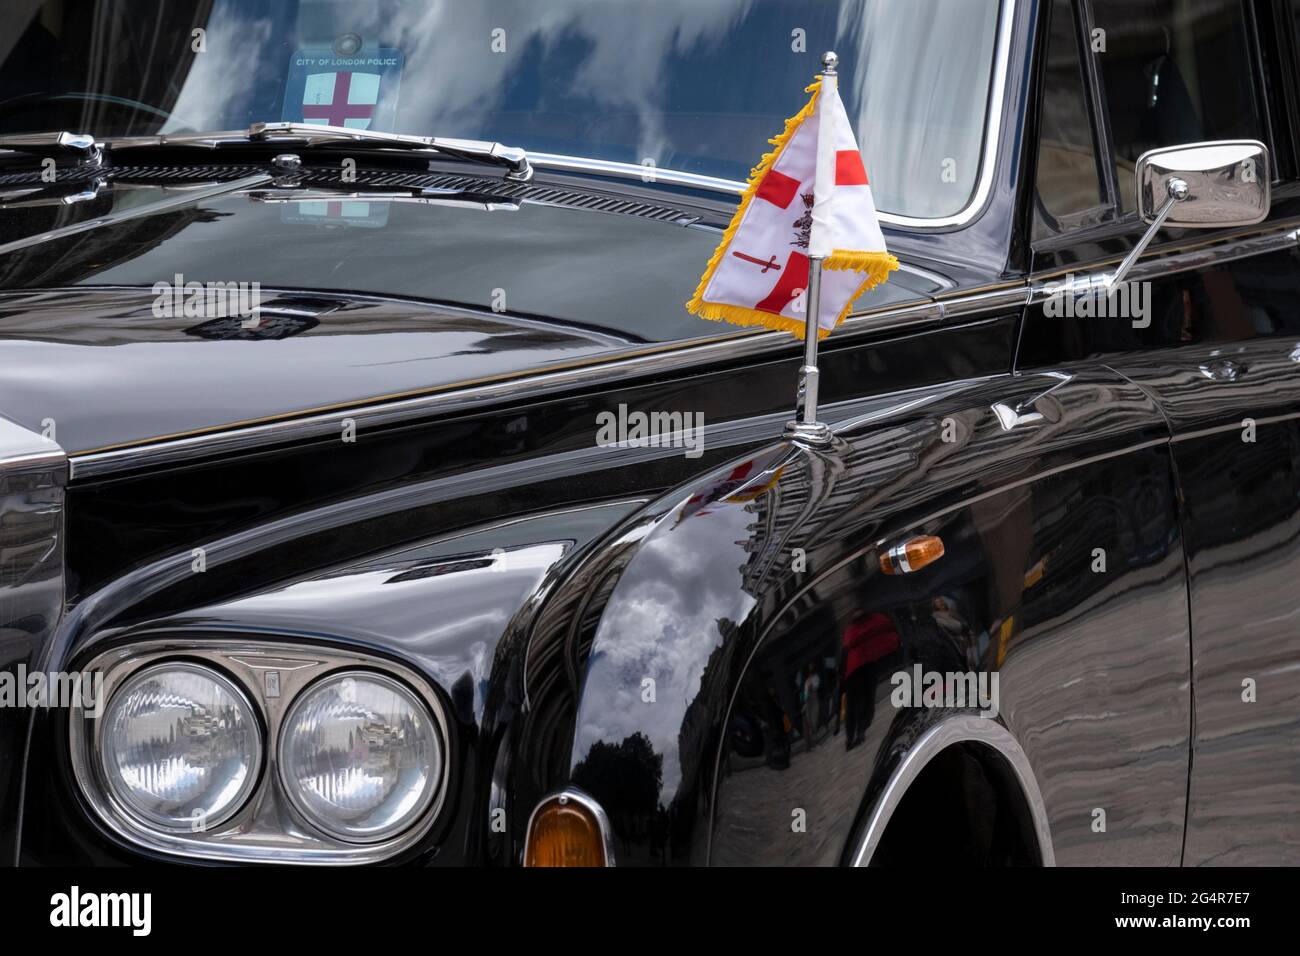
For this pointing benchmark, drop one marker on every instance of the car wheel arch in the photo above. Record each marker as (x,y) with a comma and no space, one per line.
(956,730)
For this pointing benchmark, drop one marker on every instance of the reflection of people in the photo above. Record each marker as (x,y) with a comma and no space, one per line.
(867,639)
(808,697)
(830,693)
(949,620)
(776,739)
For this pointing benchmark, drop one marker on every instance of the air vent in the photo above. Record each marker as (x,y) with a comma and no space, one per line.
(317,176)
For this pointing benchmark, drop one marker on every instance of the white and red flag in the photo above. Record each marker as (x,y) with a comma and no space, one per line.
(808,197)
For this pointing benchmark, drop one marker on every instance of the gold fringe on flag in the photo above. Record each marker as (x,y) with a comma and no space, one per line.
(877,265)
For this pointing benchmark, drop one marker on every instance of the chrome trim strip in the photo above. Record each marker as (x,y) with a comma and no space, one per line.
(1275,237)
(983,185)
(956,730)
(22,449)
(1015,296)
(588,803)
(647,174)
(674,356)
(267,828)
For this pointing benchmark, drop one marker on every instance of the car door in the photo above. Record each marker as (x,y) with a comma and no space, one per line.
(1211,330)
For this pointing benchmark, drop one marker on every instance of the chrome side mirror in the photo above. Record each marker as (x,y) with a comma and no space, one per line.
(1200,186)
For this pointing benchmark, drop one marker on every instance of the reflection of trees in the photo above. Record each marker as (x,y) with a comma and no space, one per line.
(627,775)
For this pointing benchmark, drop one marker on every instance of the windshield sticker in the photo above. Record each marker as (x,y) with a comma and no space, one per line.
(357,91)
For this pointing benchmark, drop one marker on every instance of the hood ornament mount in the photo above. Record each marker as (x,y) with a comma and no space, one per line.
(806,428)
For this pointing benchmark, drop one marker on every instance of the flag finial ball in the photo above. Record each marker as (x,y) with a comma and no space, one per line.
(829,61)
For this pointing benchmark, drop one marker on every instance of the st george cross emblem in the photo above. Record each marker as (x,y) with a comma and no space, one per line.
(358,91)
(340,99)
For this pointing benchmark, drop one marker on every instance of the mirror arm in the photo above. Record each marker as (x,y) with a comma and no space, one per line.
(1178,191)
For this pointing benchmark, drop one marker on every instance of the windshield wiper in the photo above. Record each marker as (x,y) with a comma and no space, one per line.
(310,135)
(81,146)
(513,158)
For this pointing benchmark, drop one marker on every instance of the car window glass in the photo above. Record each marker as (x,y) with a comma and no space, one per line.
(693,85)
(1066,184)
(1174,71)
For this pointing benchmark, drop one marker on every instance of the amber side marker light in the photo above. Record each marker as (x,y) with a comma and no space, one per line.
(912,555)
(568,829)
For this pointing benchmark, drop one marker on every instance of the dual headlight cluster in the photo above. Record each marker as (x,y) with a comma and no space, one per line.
(185,751)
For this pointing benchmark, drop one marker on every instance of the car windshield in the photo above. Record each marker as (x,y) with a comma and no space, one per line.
(691,85)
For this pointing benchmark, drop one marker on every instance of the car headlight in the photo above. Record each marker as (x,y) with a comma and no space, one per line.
(360,756)
(182,747)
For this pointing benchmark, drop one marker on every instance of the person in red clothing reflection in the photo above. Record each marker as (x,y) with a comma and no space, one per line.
(867,639)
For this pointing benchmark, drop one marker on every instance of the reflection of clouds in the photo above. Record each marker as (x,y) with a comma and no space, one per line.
(914,114)
(622,67)
(223,79)
(665,613)
(615,79)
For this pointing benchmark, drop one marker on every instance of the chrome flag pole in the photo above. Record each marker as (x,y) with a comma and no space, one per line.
(806,427)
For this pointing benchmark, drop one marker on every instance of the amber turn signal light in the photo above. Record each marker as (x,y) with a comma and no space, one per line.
(567,830)
(912,555)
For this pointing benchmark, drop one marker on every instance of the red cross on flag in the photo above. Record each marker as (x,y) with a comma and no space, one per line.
(340,99)
(808,197)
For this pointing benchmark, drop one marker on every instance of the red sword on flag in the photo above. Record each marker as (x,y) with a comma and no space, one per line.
(771,263)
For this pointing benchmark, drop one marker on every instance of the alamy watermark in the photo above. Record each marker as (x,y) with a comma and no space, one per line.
(21,688)
(628,429)
(1124,300)
(949,689)
(207,300)
(76,908)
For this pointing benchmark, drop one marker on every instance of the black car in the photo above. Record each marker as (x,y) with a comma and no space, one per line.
(367,492)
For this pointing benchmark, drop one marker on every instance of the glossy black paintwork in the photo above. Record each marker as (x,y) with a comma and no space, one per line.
(1100,699)
(1122,684)
(1237,454)
(454,607)
(468,295)
(508,458)
(32,503)
(287,514)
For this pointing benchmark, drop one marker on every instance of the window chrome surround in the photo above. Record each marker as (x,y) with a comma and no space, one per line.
(267,828)
(957,730)
(979,197)
(589,804)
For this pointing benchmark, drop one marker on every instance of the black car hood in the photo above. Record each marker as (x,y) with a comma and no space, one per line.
(369,300)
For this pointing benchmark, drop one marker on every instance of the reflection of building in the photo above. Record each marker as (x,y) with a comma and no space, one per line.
(65,262)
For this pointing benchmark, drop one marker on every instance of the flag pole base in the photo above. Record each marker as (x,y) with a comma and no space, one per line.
(809,433)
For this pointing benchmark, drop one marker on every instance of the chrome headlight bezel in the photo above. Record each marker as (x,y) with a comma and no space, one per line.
(114,791)
(294,793)
(267,828)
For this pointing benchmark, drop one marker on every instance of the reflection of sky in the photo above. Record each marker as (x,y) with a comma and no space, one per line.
(662,623)
(239,42)
(689,84)
(621,68)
